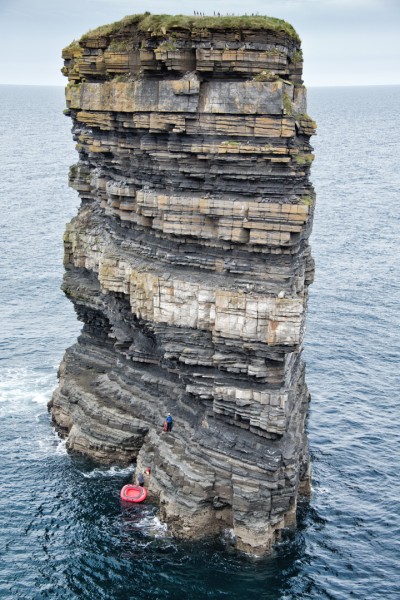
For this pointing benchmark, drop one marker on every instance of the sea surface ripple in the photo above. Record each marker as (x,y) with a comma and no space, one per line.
(63,532)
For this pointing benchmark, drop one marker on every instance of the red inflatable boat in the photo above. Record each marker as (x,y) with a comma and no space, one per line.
(133,493)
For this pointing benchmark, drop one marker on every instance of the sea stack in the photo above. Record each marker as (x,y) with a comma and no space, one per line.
(189,265)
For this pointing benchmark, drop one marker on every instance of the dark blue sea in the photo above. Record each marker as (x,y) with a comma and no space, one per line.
(63,533)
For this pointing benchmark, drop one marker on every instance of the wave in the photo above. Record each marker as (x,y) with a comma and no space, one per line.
(151,525)
(21,387)
(41,398)
(113,471)
(143,518)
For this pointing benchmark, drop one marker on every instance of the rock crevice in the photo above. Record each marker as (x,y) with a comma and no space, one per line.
(189,265)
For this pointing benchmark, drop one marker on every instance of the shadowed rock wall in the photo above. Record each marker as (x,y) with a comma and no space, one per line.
(189,264)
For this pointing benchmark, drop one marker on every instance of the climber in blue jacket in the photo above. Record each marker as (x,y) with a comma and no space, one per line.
(169,422)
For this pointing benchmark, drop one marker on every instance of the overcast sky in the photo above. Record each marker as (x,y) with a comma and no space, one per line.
(345,42)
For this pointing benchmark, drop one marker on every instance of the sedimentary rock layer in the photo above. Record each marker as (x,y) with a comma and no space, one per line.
(189,265)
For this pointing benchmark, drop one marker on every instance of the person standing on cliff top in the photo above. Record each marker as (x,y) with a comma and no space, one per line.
(169,422)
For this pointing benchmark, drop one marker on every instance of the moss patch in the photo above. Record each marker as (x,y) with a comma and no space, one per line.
(304,159)
(287,104)
(266,76)
(307,200)
(297,57)
(304,117)
(120,45)
(73,171)
(168,45)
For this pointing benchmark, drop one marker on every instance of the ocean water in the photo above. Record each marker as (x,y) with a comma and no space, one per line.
(63,532)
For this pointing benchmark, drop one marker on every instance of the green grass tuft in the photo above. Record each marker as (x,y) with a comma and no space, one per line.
(163,24)
(111,28)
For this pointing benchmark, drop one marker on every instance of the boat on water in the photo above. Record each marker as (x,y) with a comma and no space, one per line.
(133,493)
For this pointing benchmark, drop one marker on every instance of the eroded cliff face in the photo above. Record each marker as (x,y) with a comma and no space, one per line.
(189,264)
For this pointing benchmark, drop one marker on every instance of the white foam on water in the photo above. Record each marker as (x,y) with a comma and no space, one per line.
(110,472)
(14,388)
(229,535)
(61,447)
(151,525)
(320,490)
(160,529)
(49,445)
(41,398)
(24,394)
(20,387)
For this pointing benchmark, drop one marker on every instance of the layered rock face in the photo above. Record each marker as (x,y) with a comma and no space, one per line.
(189,265)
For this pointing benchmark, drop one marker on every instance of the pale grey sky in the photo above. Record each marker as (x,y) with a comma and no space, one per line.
(345,42)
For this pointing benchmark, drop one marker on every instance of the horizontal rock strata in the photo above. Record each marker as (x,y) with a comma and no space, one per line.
(189,265)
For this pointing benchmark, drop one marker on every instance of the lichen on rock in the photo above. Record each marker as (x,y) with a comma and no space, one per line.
(189,265)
